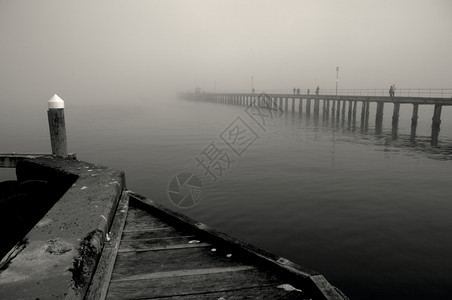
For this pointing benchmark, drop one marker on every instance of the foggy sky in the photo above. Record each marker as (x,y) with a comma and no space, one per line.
(117,50)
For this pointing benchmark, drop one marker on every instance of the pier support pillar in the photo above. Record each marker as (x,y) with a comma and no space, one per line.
(349,110)
(414,122)
(308,106)
(379,117)
(57,126)
(327,108)
(367,113)
(300,106)
(286,107)
(338,109)
(293,105)
(316,108)
(395,120)
(363,112)
(436,121)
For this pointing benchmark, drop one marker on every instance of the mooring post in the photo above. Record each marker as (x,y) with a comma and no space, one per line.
(436,121)
(414,122)
(57,126)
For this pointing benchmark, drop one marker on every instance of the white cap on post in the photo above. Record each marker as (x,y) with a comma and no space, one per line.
(56,102)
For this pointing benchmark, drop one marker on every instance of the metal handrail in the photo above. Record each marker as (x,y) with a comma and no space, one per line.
(401,92)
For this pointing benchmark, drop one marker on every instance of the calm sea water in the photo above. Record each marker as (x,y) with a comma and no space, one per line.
(370,212)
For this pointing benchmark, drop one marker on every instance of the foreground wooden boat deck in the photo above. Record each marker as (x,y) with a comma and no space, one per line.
(153,254)
(102,241)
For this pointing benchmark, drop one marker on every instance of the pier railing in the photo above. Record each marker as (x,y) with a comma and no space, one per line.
(400,92)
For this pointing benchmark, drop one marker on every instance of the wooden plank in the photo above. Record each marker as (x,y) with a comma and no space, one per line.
(101,278)
(164,247)
(195,272)
(263,292)
(191,285)
(151,233)
(159,242)
(325,289)
(133,263)
(138,219)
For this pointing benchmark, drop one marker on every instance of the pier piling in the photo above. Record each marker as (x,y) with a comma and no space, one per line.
(414,122)
(436,121)
(379,117)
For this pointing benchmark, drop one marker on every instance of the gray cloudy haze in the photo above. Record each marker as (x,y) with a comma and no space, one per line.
(117,50)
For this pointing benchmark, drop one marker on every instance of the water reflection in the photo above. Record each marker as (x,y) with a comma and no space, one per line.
(364,133)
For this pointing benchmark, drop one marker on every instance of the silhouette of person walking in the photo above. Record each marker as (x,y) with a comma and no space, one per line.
(317,90)
(298,91)
(391,91)
(294,91)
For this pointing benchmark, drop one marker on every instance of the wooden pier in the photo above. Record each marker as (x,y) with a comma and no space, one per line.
(335,106)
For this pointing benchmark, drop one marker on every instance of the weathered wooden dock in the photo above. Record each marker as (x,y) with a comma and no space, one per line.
(335,106)
(161,254)
(101,241)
